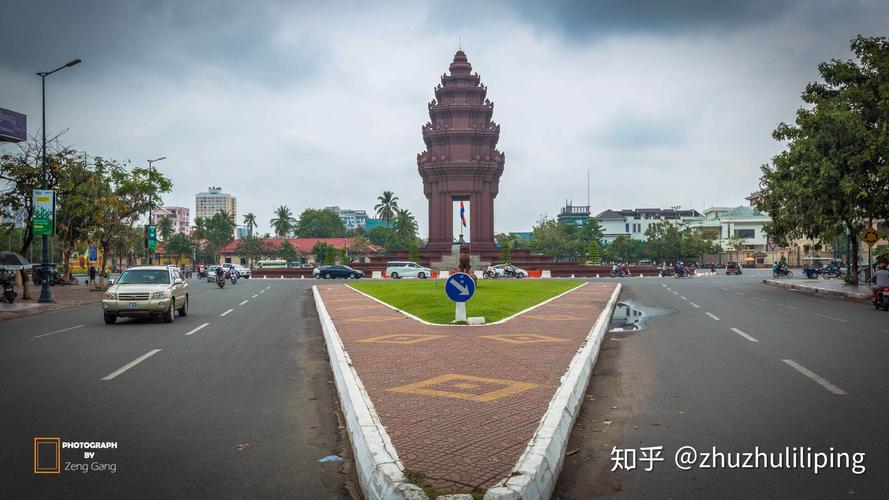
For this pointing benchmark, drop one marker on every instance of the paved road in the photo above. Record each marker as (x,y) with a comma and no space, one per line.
(732,363)
(242,408)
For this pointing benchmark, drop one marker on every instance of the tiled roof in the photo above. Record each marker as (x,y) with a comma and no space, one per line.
(303,245)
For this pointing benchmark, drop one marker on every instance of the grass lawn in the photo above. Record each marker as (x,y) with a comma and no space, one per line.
(494,300)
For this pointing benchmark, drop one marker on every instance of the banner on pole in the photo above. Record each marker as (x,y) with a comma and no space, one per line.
(44,212)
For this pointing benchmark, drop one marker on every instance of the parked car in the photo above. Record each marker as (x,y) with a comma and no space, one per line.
(243,271)
(146,291)
(732,268)
(500,271)
(337,271)
(400,269)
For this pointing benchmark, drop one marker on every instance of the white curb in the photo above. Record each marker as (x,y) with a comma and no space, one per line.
(379,469)
(537,470)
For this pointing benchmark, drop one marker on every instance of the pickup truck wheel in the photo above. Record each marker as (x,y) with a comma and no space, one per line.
(168,315)
(110,319)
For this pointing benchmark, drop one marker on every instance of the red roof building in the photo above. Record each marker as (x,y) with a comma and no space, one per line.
(302,245)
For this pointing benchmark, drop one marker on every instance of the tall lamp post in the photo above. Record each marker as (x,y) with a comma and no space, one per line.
(151,197)
(45,293)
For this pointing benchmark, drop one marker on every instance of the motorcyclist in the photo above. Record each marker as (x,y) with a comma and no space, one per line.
(220,272)
(614,269)
(624,269)
(880,278)
(234,275)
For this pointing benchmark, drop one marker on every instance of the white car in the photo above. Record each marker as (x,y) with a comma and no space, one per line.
(242,271)
(398,270)
(500,270)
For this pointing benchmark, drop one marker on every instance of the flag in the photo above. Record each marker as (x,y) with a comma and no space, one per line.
(463,214)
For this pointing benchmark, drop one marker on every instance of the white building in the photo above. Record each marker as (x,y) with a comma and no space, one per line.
(724,224)
(351,218)
(634,222)
(214,201)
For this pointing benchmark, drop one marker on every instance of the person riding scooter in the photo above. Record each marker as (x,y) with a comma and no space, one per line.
(881,281)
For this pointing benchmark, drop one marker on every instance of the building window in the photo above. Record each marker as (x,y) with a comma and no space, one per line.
(627,227)
(745,233)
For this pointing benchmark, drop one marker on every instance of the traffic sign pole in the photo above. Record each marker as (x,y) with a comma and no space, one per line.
(460,287)
(460,312)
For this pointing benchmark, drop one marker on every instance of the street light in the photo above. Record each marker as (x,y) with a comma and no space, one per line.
(45,293)
(151,196)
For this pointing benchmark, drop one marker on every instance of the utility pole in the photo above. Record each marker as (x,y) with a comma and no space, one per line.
(151,202)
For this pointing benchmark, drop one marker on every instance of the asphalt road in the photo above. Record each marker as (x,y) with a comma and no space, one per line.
(732,363)
(241,408)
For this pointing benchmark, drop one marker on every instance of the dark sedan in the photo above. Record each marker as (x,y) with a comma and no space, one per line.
(328,272)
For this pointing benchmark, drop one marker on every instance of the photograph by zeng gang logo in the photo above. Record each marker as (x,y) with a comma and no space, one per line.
(48,456)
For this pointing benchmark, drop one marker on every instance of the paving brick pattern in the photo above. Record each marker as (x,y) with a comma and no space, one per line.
(460,403)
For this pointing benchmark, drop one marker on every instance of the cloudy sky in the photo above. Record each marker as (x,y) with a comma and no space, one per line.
(320,103)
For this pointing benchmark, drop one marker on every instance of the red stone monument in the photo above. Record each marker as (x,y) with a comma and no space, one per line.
(461,162)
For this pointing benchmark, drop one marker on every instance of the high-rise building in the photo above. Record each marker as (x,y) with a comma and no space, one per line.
(351,218)
(241,232)
(214,201)
(179,216)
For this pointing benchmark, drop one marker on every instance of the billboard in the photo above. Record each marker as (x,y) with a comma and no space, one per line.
(44,212)
(13,126)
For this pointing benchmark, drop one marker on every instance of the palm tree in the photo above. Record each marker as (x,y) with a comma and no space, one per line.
(229,217)
(405,224)
(165,228)
(283,221)
(387,206)
(250,222)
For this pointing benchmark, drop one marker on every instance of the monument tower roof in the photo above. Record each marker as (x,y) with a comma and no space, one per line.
(461,65)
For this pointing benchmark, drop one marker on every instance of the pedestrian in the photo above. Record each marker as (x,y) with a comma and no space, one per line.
(92,272)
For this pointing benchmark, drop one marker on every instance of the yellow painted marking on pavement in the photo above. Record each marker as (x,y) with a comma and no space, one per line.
(501,388)
(523,338)
(401,338)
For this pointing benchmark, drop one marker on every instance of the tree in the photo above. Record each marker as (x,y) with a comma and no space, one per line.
(320,251)
(178,245)
(359,247)
(405,225)
(551,237)
(505,257)
(663,242)
(283,221)
(314,223)
(594,255)
(343,256)
(287,252)
(414,252)
(165,228)
(387,206)
(831,178)
(250,222)
(329,255)
(735,244)
(623,249)
(250,248)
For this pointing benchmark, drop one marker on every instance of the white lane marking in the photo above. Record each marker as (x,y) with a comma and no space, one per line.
(741,293)
(675,293)
(805,371)
(267,287)
(695,305)
(748,337)
(226,312)
(196,330)
(885,330)
(663,284)
(760,299)
(114,374)
(63,330)
(724,289)
(244,302)
(712,316)
(831,317)
(683,298)
(255,295)
(262,291)
(785,305)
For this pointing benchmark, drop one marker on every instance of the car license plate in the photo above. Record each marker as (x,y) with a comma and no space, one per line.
(133,305)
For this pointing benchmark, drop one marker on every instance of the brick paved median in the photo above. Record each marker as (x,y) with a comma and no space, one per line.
(460,403)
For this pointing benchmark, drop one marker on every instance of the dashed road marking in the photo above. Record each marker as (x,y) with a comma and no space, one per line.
(196,330)
(262,291)
(244,302)
(748,337)
(805,371)
(712,316)
(741,293)
(255,295)
(63,330)
(675,293)
(724,289)
(682,297)
(785,305)
(831,317)
(695,305)
(116,373)
(226,312)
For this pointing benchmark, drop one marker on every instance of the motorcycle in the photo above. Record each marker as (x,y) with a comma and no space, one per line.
(489,274)
(234,278)
(220,280)
(619,274)
(881,298)
(782,271)
(682,273)
(9,293)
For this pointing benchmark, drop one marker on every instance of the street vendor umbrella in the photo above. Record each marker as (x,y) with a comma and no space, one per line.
(11,261)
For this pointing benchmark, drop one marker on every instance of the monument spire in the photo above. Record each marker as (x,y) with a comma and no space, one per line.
(461,161)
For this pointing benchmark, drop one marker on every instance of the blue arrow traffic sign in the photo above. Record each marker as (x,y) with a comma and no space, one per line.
(460,287)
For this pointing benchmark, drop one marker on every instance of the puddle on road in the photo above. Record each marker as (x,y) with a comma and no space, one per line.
(631,317)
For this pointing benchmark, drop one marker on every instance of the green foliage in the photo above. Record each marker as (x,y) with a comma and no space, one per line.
(405,225)
(623,249)
(415,252)
(563,240)
(178,245)
(216,232)
(343,256)
(387,206)
(250,248)
(165,228)
(505,255)
(250,222)
(283,221)
(594,255)
(832,177)
(320,252)
(315,223)
(665,242)
(330,255)
(359,247)
(287,252)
